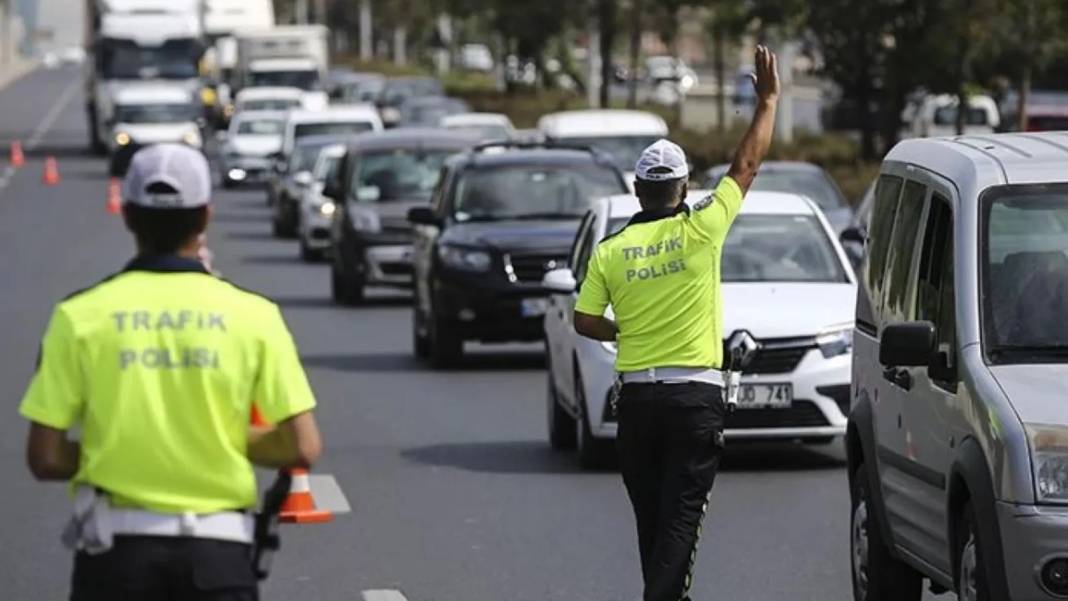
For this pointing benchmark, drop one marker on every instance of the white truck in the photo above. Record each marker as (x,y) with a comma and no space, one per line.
(222,19)
(291,55)
(133,41)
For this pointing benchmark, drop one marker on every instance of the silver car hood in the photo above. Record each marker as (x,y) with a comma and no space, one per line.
(1037,391)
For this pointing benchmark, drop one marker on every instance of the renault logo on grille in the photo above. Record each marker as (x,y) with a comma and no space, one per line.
(550,265)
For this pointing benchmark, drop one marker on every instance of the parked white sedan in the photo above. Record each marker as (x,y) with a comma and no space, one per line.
(786,280)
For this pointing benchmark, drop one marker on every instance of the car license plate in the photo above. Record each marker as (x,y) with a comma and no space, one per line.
(533,307)
(761,396)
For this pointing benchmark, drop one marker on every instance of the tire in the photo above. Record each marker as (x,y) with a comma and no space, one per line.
(446,344)
(562,432)
(344,290)
(972,582)
(593,453)
(420,340)
(876,574)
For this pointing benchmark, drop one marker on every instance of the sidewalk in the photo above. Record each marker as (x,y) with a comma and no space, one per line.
(18,68)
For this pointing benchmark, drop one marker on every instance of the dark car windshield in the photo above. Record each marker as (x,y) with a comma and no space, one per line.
(532,191)
(261,127)
(774,248)
(397,91)
(430,114)
(402,174)
(305,80)
(270,104)
(362,91)
(330,128)
(1025,273)
(154,113)
(624,150)
(304,157)
(123,59)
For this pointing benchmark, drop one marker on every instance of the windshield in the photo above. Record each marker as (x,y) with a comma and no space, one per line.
(528,192)
(270,104)
(947,115)
(625,150)
(773,248)
(330,128)
(400,174)
(813,184)
(261,127)
(363,91)
(397,91)
(326,168)
(305,80)
(431,114)
(1025,271)
(304,157)
(154,113)
(123,59)
(484,132)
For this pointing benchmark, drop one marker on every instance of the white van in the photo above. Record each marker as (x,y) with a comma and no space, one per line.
(154,114)
(936,116)
(622,134)
(333,120)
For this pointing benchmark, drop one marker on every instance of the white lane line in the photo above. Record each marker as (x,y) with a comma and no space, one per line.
(50,119)
(383,595)
(5,176)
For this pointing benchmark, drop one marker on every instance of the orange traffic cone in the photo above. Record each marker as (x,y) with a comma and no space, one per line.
(299,506)
(114,203)
(256,419)
(50,177)
(18,159)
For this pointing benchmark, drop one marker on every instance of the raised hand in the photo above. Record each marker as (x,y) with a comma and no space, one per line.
(766,76)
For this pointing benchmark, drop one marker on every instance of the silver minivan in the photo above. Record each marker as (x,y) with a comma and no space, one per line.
(958,434)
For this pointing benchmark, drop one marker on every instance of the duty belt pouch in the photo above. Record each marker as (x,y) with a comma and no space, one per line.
(89,529)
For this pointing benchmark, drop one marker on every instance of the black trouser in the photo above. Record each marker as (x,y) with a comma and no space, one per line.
(161,568)
(670,441)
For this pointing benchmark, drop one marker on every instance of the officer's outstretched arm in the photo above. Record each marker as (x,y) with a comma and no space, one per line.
(294,442)
(757,140)
(50,454)
(595,326)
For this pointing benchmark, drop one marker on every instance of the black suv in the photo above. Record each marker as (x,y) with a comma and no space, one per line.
(502,215)
(381,177)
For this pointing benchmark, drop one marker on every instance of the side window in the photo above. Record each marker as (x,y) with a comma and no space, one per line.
(935,296)
(902,247)
(887,191)
(580,252)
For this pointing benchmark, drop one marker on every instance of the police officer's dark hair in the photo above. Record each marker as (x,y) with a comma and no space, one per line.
(654,194)
(164,231)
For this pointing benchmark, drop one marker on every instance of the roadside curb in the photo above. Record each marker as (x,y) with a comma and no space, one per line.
(11,73)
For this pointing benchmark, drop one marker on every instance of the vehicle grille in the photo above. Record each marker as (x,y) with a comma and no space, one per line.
(778,355)
(530,268)
(396,268)
(802,414)
(840,393)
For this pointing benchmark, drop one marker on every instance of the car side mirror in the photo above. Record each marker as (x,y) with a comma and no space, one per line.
(423,216)
(303,178)
(908,344)
(852,234)
(560,280)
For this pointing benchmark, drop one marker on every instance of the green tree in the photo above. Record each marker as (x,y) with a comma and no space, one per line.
(1027,38)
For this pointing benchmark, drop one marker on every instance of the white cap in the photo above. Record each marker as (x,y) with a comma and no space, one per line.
(179,167)
(662,161)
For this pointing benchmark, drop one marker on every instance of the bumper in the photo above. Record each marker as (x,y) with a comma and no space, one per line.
(1031,535)
(491,313)
(820,408)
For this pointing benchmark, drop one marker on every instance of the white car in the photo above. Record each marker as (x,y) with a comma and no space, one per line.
(251,144)
(353,119)
(316,210)
(935,116)
(488,126)
(786,281)
(620,133)
(154,114)
(277,98)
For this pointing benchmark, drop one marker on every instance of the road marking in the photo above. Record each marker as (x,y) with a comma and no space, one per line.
(50,119)
(383,595)
(5,177)
(328,494)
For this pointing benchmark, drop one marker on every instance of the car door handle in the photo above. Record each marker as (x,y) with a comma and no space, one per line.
(898,377)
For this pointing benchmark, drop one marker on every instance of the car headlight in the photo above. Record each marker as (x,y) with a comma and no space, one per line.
(836,340)
(465,259)
(122,138)
(1049,456)
(327,208)
(192,138)
(364,221)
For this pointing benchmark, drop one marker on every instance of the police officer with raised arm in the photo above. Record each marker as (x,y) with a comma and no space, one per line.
(661,276)
(158,366)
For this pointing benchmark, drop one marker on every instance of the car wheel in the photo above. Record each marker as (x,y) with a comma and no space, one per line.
(420,339)
(562,433)
(446,344)
(972,584)
(344,290)
(877,576)
(593,452)
(228,183)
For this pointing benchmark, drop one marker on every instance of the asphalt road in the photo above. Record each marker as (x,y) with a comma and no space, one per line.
(455,492)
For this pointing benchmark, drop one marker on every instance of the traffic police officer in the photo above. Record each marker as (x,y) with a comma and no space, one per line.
(159,365)
(660,274)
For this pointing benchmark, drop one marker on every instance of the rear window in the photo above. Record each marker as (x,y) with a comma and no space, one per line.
(331,128)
